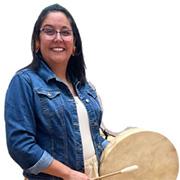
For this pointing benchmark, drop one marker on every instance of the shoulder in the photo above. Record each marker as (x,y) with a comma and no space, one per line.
(22,77)
(25,72)
(91,85)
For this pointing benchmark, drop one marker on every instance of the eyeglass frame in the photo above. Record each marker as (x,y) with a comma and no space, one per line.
(58,32)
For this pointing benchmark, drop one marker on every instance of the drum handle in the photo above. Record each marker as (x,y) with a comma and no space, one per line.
(124,170)
(107,132)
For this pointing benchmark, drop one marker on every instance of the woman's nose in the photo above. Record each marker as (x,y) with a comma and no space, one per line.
(58,36)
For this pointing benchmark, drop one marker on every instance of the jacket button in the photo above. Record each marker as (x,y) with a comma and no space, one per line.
(87,100)
(49,94)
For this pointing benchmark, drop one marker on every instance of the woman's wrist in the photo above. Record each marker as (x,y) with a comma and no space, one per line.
(58,169)
(66,173)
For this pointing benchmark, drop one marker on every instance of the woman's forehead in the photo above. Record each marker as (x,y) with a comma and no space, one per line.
(56,19)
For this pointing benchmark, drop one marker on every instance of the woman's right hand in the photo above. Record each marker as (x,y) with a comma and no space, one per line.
(75,175)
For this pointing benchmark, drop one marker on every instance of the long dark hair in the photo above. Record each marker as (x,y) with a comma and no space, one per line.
(76,65)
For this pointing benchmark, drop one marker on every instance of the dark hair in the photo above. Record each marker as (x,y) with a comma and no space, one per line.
(76,65)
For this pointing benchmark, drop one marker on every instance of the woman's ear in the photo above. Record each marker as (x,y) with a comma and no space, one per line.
(74,50)
(37,46)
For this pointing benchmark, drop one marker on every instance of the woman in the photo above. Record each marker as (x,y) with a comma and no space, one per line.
(52,113)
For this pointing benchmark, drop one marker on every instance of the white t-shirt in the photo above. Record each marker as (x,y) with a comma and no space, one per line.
(88,147)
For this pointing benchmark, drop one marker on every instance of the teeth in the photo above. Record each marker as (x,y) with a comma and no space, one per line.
(58,49)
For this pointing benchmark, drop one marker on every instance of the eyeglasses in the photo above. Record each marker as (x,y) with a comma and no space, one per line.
(51,33)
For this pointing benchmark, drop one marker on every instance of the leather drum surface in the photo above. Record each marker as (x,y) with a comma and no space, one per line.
(154,154)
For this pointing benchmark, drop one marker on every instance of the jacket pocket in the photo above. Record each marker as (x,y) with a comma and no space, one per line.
(48,93)
(51,109)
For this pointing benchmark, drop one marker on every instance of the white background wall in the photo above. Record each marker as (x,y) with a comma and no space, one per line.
(132,52)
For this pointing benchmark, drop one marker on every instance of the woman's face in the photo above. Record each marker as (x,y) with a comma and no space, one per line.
(56,41)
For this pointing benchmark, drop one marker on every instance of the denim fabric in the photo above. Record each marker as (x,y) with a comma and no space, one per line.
(42,122)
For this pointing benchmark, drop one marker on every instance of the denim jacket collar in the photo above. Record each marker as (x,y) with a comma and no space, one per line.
(47,74)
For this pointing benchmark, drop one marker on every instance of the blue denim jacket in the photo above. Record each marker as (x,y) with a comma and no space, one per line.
(42,122)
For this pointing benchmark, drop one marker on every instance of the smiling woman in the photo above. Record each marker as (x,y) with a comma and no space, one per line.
(55,111)
(56,42)
(132,56)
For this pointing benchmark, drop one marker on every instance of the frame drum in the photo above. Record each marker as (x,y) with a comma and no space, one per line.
(154,154)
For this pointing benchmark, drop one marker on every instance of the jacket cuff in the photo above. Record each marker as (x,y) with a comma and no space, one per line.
(45,160)
(105,143)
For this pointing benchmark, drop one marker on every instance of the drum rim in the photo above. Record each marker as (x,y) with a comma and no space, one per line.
(124,134)
(132,131)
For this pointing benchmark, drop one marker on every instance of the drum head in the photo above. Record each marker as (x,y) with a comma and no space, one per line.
(153,153)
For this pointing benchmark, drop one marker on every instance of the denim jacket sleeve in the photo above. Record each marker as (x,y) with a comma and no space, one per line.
(105,142)
(21,126)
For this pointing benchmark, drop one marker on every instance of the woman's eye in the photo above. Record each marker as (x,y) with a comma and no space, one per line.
(66,33)
(49,31)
